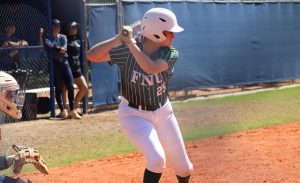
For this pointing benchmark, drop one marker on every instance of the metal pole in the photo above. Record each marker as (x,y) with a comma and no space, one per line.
(83,50)
(50,60)
(120,20)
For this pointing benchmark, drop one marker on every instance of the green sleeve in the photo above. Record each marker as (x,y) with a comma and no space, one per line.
(118,54)
(171,59)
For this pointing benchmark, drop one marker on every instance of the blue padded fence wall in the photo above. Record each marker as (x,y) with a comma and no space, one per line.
(223,44)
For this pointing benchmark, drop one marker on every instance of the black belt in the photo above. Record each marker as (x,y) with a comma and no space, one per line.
(146,107)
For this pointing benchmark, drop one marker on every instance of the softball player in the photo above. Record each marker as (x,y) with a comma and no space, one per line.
(145,113)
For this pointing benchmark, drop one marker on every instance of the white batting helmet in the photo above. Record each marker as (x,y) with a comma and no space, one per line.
(157,20)
(8,85)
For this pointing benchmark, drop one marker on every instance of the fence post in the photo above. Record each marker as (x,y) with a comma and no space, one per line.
(51,69)
(83,48)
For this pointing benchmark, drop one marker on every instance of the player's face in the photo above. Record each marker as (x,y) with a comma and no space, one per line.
(55,29)
(10,30)
(73,31)
(169,38)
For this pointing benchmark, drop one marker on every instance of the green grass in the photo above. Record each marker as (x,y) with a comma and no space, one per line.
(89,148)
(71,149)
(266,108)
(275,96)
(198,119)
(218,130)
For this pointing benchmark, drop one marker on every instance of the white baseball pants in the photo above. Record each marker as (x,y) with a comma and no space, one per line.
(157,135)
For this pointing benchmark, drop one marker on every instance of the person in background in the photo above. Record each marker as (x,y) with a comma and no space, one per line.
(10,39)
(73,50)
(11,58)
(62,71)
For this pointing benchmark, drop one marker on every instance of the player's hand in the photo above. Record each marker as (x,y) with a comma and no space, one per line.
(126,35)
(127,31)
(41,33)
(23,43)
(49,43)
(62,50)
(5,44)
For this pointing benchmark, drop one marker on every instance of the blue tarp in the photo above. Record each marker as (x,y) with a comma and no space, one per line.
(104,78)
(223,43)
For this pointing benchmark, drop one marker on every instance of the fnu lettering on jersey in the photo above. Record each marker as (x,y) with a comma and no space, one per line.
(148,80)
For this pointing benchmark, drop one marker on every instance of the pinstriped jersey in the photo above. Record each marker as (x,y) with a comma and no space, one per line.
(137,86)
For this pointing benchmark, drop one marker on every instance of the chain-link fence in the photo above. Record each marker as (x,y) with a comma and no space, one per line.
(97,2)
(91,2)
(21,51)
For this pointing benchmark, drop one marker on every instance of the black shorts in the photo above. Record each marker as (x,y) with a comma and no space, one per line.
(76,70)
(76,73)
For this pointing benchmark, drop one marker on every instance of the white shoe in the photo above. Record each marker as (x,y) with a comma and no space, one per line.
(74,115)
(63,114)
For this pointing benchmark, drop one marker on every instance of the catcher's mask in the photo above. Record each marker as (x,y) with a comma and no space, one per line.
(10,97)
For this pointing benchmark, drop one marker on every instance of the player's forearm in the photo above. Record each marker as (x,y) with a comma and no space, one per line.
(145,62)
(24,43)
(41,41)
(13,44)
(19,43)
(100,51)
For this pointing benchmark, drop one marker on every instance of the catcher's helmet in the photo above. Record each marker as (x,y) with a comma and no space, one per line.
(7,82)
(8,87)
(157,20)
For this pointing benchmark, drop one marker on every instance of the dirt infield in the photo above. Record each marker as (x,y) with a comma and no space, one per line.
(269,155)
